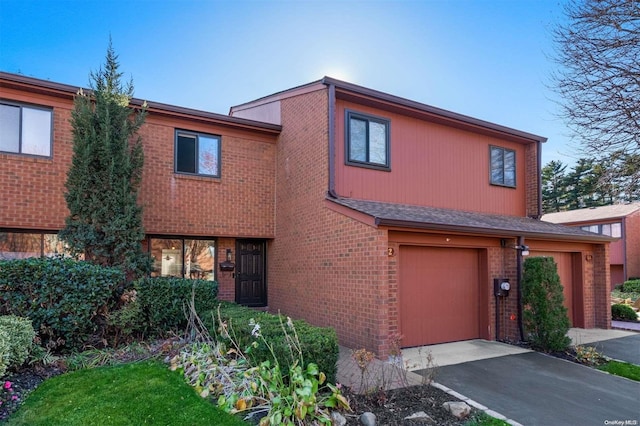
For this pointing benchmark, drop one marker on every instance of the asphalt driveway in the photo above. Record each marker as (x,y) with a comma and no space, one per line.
(536,389)
(622,349)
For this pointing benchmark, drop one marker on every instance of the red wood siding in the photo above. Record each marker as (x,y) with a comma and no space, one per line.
(433,165)
(439,295)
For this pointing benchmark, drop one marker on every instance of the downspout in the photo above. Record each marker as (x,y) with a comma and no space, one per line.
(519,293)
(332,141)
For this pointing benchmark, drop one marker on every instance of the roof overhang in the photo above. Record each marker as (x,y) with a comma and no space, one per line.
(362,95)
(408,217)
(65,91)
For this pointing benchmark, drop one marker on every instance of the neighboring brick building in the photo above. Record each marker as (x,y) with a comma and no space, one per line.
(384,218)
(621,221)
(191,217)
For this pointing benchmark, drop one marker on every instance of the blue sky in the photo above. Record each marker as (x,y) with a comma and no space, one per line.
(486,59)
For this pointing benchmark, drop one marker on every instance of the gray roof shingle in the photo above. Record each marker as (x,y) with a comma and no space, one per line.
(423,217)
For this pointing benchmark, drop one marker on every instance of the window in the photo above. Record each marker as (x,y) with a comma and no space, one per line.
(611,229)
(197,154)
(503,166)
(181,257)
(25,129)
(367,141)
(21,245)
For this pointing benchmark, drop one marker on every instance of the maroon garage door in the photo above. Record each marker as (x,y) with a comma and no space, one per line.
(439,295)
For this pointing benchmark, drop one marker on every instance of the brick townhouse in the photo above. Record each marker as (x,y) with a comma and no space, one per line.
(387,219)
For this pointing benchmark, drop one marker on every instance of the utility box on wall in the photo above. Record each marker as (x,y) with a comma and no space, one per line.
(501,287)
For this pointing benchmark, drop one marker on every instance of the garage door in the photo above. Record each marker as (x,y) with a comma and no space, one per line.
(565,271)
(439,295)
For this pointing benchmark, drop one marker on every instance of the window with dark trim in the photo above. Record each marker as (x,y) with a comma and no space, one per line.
(193,258)
(25,129)
(24,244)
(610,229)
(367,141)
(197,153)
(503,166)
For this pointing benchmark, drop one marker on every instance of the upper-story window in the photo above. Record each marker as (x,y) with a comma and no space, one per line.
(197,153)
(367,141)
(25,129)
(503,166)
(610,229)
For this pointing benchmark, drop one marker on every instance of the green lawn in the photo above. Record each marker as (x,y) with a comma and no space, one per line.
(624,369)
(129,394)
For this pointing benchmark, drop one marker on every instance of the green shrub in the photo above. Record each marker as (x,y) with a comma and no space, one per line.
(544,315)
(65,299)
(631,286)
(622,312)
(163,302)
(319,345)
(20,341)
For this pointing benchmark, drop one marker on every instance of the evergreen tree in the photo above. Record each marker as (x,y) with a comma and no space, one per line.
(544,315)
(105,220)
(554,187)
(582,185)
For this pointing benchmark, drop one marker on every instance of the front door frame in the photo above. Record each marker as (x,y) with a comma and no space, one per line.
(240,275)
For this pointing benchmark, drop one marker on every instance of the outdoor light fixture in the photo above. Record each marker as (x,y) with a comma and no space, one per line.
(524,250)
(227,265)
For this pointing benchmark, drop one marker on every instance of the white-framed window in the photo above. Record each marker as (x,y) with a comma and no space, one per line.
(197,153)
(503,166)
(25,129)
(367,141)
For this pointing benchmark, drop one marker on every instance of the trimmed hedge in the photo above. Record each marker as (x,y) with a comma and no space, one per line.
(319,344)
(620,312)
(631,286)
(65,299)
(163,302)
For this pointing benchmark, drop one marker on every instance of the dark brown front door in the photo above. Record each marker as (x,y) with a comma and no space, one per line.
(251,284)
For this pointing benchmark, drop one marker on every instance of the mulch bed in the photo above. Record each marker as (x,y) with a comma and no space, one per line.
(392,407)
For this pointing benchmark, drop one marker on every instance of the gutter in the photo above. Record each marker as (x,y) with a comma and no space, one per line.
(332,140)
(396,223)
(519,263)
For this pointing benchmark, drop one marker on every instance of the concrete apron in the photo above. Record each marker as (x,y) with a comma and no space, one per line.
(473,350)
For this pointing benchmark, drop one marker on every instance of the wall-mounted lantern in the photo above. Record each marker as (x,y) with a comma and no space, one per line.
(227,265)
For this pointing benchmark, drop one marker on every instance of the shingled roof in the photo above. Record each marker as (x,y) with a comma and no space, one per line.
(615,211)
(422,217)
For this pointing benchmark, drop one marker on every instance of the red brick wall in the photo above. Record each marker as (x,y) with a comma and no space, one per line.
(532,175)
(323,266)
(601,307)
(240,203)
(32,187)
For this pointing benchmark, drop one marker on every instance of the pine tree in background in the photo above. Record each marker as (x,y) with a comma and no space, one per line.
(554,187)
(105,220)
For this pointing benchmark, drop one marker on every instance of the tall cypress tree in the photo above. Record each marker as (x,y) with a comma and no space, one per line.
(105,220)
